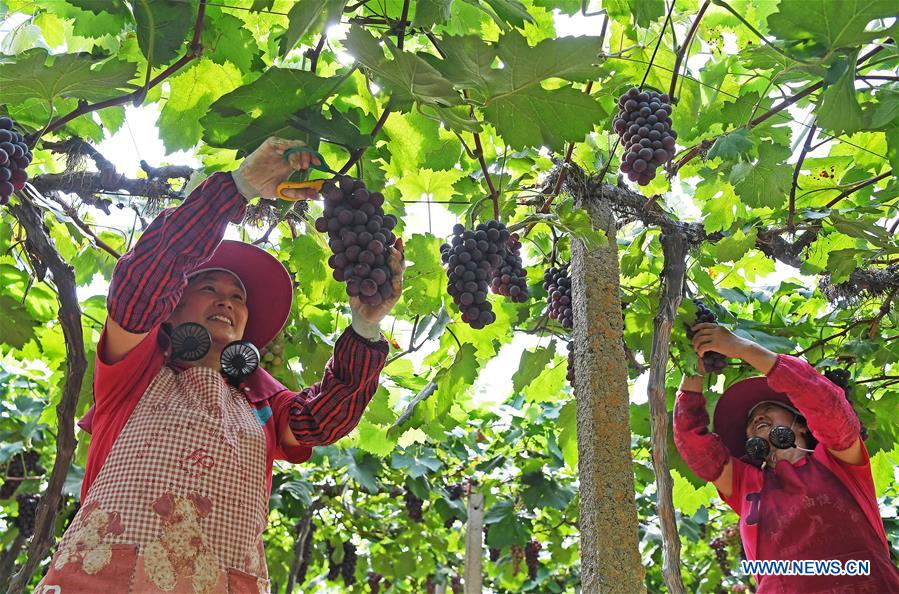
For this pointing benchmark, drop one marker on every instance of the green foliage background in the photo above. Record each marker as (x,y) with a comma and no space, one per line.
(498,68)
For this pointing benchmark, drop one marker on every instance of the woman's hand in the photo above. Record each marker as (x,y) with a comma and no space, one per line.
(714,338)
(373,314)
(265,168)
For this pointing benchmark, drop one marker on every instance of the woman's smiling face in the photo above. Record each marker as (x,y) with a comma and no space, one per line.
(217,301)
(766,416)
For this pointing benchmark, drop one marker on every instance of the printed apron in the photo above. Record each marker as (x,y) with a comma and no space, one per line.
(807,513)
(180,503)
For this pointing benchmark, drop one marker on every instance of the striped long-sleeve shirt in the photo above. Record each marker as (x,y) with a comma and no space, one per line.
(146,286)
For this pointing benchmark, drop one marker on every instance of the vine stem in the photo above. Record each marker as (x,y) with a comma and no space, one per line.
(858,187)
(805,149)
(194,51)
(359,152)
(683,49)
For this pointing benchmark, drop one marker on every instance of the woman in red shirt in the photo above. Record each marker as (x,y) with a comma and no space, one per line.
(814,500)
(175,494)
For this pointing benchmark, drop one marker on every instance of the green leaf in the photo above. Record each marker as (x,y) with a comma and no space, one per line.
(225,39)
(407,76)
(567,423)
(432,12)
(765,182)
(577,222)
(505,526)
(16,325)
(883,465)
(424,279)
(374,439)
(162,28)
(841,263)
(67,75)
(416,461)
(308,17)
(735,246)
(687,498)
(363,470)
(838,108)
(829,24)
(644,12)
(870,231)
(276,95)
(192,92)
(540,491)
(532,364)
(730,146)
(504,12)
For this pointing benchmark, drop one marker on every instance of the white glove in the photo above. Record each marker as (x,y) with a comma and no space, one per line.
(265,168)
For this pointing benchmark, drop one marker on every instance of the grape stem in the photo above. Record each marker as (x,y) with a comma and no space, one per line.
(195,50)
(805,149)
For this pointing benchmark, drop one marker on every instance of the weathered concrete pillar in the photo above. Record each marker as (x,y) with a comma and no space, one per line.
(610,558)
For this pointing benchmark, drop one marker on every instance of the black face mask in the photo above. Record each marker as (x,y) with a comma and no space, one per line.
(191,342)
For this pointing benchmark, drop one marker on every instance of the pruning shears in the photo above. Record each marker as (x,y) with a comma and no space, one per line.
(314,184)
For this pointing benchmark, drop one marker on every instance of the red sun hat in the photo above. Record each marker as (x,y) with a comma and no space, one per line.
(733,408)
(268,285)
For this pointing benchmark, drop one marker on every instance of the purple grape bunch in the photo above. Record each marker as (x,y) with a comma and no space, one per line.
(558,295)
(487,257)
(360,235)
(15,157)
(712,361)
(644,126)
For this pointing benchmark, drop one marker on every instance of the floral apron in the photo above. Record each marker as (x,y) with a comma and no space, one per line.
(180,503)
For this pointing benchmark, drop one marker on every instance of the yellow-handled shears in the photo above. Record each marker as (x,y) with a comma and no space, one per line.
(314,184)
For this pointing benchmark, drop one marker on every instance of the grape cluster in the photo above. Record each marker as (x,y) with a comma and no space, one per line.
(712,361)
(333,567)
(531,551)
(15,156)
(558,295)
(840,377)
(644,125)
(374,582)
(360,235)
(20,466)
(455,491)
(456,584)
(720,548)
(273,353)
(570,372)
(494,554)
(511,280)
(474,257)
(348,568)
(27,512)
(413,506)
(517,555)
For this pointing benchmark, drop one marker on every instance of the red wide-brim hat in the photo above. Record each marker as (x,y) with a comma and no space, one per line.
(268,285)
(733,408)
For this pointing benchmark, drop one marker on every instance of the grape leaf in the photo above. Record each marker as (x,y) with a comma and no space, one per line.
(838,108)
(225,39)
(730,146)
(192,92)
(735,246)
(407,76)
(162,27)
(432,12)
(765,182)
(424,278)
(309,17)
(829,24)
(16,325)
(531,365)
(539,491)
(69,75)
(644,12)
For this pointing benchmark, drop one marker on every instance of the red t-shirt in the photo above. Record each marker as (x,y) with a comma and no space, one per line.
(748,480)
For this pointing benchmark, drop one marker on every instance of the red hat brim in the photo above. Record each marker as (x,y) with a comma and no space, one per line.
(734,406)
(268,284)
